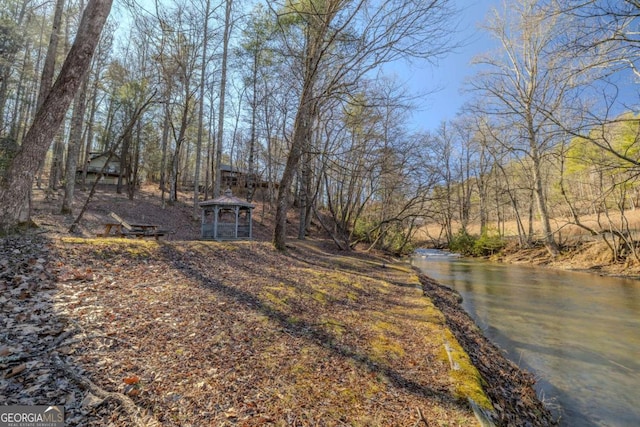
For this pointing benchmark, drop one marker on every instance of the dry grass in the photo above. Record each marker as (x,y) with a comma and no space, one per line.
(216,334)
(238,334)
(563,227)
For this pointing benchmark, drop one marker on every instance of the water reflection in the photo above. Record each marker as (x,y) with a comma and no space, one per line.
(578,333)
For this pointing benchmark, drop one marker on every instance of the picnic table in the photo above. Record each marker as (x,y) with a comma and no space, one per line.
(122,228)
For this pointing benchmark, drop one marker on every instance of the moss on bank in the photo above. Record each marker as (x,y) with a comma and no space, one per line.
(509,388)
(246,333)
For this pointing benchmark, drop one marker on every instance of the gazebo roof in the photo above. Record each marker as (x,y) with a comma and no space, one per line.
(227,199)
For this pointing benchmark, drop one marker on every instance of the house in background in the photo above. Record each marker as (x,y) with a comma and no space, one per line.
(237,178)
(94,167)
(231,177)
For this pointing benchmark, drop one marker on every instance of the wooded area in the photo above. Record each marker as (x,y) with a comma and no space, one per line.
(290,96)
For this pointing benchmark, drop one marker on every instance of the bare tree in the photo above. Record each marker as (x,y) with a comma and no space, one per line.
(256,50)
(17,180)
(50,60)
(525,85)
(11,41)
(75,142)
(48,71)
(223,90)
(203,68)
(341,42)
(175,51)
(606,44)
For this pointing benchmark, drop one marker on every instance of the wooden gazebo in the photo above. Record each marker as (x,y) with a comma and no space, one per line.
(226,218)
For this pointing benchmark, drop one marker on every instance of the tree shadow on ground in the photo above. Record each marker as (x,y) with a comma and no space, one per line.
(306,330)
(37,333)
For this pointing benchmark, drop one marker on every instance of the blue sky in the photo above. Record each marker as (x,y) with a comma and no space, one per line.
(441,83)
(448,76)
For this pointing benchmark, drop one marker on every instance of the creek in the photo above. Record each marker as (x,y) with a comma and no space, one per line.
(578,333)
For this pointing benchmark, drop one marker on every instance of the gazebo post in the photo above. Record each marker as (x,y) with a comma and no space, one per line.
(235,231)
(250,224)
(215,222)
(203,217)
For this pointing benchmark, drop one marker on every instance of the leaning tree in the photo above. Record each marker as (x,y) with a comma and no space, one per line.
(17,178)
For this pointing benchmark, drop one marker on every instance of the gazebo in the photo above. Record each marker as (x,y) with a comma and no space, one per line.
(226,218)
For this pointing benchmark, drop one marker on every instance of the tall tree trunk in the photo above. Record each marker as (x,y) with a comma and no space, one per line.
(125,163)
(5,70)
(55,172)
(300,136)
(73,150)
(203,69)
(132,180)
(305,187)
(270,178)
(22,98)
(50,60)
(185,173)
(89,140)
(209,169)
(16,183)
(301,132)
(175,163)
(108,134)
(482,202)
(166,123)
(549,239)
(223,89)
(251,173)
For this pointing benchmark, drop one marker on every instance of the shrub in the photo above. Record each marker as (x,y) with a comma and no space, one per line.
(488,243)
(462,243)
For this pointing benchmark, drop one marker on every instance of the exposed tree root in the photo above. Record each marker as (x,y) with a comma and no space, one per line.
(125,402)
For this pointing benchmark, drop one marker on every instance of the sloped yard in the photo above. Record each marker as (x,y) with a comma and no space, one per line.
(212,334)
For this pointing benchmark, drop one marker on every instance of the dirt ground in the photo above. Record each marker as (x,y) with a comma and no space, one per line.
(182,332)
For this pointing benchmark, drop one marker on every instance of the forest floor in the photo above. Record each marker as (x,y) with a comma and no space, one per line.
(182,332)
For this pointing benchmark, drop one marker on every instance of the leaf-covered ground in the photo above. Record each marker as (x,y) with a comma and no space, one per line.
(212,334)
(182,332)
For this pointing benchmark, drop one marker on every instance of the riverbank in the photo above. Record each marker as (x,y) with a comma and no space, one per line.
(592,257)
(129,332)
(205,333)
(510,389)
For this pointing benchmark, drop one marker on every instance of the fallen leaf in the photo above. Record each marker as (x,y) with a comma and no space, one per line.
(133,379)
(231,413)
(16,370)
(132,390)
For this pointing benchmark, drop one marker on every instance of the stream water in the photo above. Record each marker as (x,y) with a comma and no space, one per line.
(578,333)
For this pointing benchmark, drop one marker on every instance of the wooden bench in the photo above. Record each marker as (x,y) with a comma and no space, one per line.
(123,228)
